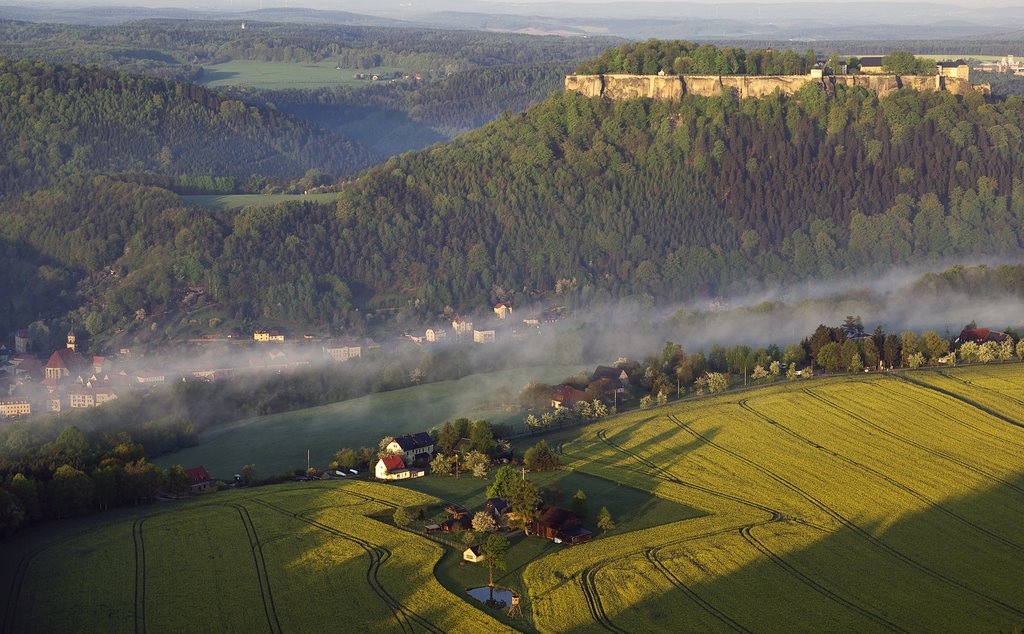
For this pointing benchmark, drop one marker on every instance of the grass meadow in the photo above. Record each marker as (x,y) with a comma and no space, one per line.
(285,75)
(278,442)
(237,201)
(857,503)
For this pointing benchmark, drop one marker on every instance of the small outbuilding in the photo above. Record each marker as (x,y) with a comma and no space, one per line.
(473,554)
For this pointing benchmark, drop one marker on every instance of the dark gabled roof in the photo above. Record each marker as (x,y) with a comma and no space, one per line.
(607,372)
(870,61)
(414,441)
(951,64)
(499,505)
(559,518)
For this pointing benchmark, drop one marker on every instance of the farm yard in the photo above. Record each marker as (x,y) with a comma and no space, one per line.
(860,503)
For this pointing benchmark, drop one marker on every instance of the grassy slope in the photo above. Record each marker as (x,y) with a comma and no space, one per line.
(279,442)
(847,504)
(237,201)
(283,75)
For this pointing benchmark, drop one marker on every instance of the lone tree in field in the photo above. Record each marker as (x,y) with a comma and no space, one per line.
(579,504)
(604,519)
(540,457)
(494,551)
(401,517)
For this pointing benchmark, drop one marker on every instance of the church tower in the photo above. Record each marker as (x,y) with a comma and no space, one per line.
(72,345)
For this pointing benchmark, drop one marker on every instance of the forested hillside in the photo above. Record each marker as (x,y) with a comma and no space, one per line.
(588,199)
(62,120)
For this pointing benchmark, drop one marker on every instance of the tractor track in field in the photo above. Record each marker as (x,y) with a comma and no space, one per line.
(139,544)
(748,536)
(857,530)
(962,399)
(651,554)
(878,386)
(593,597)
(663,474)
(913,443)
(930,503)
(262,576)
(745,532)
(980,387)
(405,617)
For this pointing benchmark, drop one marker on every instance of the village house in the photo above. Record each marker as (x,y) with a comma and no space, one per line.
(412,447)
(200,479)
(462,327)
(343,349)
(14,407)
(435,335)
(265,336)
(483,336)
(392,467)
(560,525)
(473,554)
(500,511)
(502,310)
(566,396)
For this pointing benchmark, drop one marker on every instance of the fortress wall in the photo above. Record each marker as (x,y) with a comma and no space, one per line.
(586,85)
(671,87)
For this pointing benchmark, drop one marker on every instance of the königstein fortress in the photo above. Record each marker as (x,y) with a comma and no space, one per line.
(953,77)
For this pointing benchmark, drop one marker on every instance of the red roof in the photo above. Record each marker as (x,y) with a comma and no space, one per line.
(198,474)
(64,358)
(393,462)
(567,395)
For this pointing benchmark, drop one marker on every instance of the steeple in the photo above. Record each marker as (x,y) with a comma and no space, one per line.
(72,345)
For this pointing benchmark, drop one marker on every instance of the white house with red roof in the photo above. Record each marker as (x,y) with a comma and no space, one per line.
(392,467)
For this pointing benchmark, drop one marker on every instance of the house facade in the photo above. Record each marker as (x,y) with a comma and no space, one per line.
(412,446)
(14,407)
(392,467)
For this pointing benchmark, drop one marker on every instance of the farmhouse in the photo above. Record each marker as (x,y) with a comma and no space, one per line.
(500,512)
(560,525)
(412,446)
(981,335)
(566,396)
(200,479)
(473,554)
(502,310)
(393,468)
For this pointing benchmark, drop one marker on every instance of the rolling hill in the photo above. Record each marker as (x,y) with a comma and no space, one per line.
(868,503)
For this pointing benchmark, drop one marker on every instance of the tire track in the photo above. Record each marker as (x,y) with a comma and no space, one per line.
(140,576)
(930,503)
(923,403)
(811,583)
(962,399)
(935,452)
(980,387)
(868,537)
(651,554)
(266,595)
(405,617)
(589,585)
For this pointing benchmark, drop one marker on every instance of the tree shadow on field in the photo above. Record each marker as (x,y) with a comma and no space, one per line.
(950,569)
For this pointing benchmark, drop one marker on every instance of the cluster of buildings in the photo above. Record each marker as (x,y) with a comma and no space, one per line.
(500,326)
(1007,65)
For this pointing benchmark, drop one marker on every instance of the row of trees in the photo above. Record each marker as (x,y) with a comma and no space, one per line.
(74,477)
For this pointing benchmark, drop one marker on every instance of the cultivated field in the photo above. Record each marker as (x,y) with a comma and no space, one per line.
(237,201)
(846,504)
(284,75)
(298,558)
(278,442)
(864,503)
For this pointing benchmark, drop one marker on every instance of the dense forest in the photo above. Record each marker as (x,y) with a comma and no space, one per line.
(58,121)
(180,48)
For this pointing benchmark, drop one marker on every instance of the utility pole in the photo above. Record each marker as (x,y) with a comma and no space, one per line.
(307,462)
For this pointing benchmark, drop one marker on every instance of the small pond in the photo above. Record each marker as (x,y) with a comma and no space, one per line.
(502,597)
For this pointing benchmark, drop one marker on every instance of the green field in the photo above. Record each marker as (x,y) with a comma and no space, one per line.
(237,201)
(284,75)
(279,442)
(869,503)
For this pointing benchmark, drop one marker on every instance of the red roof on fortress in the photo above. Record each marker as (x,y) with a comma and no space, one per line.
(198,475)
(393,462)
